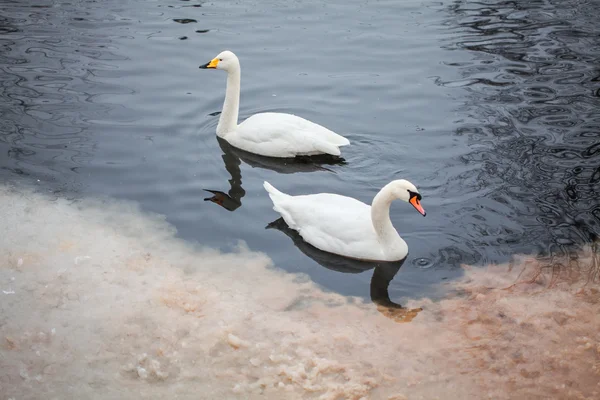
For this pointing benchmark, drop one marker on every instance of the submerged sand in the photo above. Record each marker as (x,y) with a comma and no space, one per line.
(101,301)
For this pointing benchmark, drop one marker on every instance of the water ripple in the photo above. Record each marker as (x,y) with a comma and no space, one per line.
(49,88)
(545,152)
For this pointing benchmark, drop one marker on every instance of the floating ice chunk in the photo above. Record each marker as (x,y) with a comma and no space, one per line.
(155,364)
(23,373)
(236,342)
(142,357)
(237,388)
(255,362)
(142,373)
(81,258)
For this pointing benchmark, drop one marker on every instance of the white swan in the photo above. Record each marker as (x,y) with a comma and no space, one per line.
(269,134)
(345,226)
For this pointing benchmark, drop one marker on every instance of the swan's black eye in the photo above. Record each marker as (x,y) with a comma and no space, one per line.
(413,194)
(220,59)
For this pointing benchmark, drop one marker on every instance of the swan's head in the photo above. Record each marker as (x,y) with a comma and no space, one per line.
(404,190)
(226,60)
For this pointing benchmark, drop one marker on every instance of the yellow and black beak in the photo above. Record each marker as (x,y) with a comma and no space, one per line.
(212,64)
(415,200)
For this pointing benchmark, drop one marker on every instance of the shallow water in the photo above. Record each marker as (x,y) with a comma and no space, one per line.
(490,108)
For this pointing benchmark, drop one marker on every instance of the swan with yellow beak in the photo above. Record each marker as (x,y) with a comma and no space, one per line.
(268,134)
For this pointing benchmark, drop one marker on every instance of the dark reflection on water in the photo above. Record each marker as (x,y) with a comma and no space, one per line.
(232,158)
(383,273)
(532,118)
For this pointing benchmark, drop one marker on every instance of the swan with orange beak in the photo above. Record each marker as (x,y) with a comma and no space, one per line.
(348,227)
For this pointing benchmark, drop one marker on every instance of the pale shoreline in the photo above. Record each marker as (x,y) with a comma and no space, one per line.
(100,300)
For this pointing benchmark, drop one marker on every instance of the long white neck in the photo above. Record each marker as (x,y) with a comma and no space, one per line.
(380,215)
(229,115)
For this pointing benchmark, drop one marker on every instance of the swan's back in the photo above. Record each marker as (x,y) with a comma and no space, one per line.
(291,122)
(285,135)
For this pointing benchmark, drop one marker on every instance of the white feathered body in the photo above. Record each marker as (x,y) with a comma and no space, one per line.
(336,224)
(284,135)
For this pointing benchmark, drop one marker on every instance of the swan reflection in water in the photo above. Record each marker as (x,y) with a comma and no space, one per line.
(383,273)
(233,158)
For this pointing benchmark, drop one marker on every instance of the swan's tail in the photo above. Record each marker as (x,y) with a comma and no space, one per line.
(281,203)
(327,147)
(272,191)
(341,141)
(335,139)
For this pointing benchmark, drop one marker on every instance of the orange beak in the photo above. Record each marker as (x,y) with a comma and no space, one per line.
(417,204)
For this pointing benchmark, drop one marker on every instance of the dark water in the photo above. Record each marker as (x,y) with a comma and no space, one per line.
(491,108)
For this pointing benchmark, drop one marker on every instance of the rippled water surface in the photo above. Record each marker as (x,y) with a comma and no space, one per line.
(491,108)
